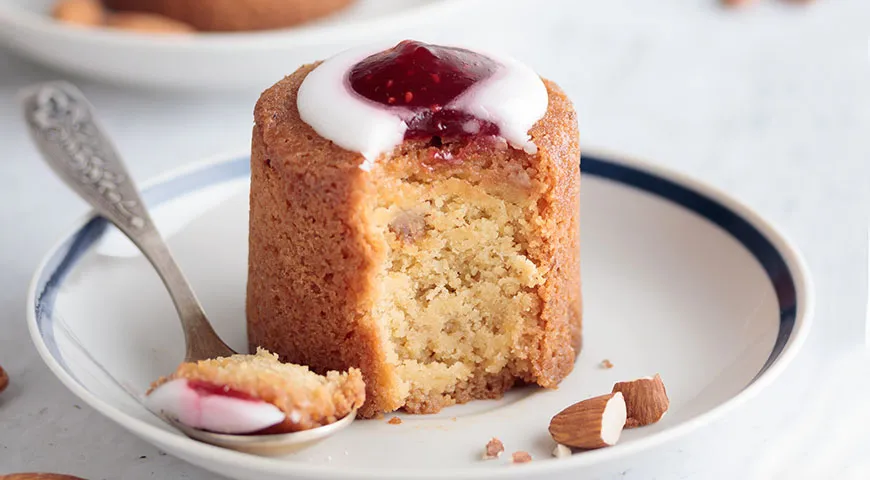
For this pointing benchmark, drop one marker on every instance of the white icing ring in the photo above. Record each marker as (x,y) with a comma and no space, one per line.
(513,99)
(215,413)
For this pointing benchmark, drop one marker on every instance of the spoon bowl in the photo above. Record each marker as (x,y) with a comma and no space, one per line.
(66,132)
(265,445)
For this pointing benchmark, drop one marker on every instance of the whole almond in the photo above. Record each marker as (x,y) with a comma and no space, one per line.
(646,400)
(593,423)
(88,13)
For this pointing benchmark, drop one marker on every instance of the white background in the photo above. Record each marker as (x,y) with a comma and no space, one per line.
(771,104)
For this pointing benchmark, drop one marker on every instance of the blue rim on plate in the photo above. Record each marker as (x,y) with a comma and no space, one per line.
(778,271)
(745,233)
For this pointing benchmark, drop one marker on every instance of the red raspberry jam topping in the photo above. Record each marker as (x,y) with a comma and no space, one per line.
(424,79)
(206,388)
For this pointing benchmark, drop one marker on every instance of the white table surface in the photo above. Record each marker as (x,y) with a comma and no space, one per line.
(771,104)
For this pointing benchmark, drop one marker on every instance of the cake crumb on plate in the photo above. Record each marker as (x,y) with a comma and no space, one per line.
(521,457)
(395,421)
(605,364)
(494,449)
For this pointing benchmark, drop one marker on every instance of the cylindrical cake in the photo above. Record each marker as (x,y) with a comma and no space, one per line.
(235,15)
(445,267)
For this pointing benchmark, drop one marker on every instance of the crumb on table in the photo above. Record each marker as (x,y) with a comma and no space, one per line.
(395,421)
(605,364)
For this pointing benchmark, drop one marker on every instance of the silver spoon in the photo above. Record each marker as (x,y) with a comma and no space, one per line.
(63,126)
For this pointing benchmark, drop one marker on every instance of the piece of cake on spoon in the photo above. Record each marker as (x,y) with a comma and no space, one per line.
(255,394)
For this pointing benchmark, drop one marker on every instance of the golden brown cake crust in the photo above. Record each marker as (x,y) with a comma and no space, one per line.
(309,292)
(235,15)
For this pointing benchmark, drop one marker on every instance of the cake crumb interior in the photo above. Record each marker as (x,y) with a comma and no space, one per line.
(456,290)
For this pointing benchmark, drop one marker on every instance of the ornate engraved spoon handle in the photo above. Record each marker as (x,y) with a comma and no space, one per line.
(66,132)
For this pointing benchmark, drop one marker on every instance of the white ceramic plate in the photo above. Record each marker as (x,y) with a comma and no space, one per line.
(244,60)
(678,279)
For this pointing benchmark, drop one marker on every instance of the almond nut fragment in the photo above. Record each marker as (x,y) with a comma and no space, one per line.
(494,449)
(593,423)
(561,451)
(521,457)
(646,400)
(4,380)
(408,226)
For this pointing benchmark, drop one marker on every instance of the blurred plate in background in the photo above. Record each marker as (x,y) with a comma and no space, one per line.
(207,61)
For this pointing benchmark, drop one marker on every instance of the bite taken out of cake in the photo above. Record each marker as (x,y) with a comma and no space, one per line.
(415,214)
